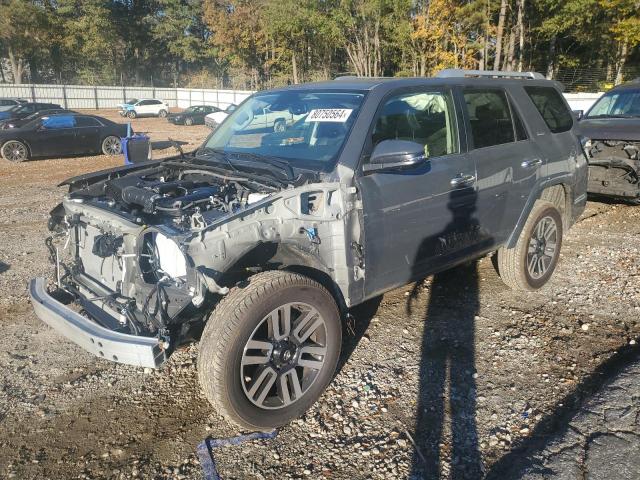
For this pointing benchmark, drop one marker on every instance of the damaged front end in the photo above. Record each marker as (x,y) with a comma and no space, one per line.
(614,168)
(142,255)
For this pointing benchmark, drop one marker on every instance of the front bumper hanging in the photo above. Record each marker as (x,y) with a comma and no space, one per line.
(102,342)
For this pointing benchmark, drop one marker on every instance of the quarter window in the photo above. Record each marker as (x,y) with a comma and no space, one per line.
(552,108)
(422,117)
(87,122)
(490,117)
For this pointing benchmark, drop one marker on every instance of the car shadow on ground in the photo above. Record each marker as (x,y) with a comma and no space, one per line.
(522,457)
(355,327)
(447,387)
(3,267)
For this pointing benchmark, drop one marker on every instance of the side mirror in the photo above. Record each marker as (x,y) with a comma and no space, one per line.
(578,114)
(390,155)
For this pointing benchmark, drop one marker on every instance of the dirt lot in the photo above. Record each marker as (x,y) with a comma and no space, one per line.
(460,365)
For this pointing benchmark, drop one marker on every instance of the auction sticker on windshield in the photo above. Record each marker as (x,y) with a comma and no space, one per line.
(329,115)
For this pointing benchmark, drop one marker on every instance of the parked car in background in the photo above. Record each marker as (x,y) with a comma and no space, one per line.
(62,134)
(193,115)
(144,108)
(7,103)
(25,109)
(19,122)
(381,182)
(611,131)
(214,119)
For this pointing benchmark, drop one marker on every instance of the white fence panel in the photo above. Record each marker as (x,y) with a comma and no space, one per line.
(101,97)
(582,101)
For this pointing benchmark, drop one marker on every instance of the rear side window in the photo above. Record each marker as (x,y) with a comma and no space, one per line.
(59,122)
(490,117)
(87,122)
(549,103)
(423,117)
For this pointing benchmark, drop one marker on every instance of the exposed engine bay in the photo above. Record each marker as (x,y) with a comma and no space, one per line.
(614,168)
(117,241)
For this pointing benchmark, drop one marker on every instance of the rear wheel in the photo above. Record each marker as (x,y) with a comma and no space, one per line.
(15,151)
(112,145)
(162,114)
(269,349)
(531,262)
(279,126)
(132,114)
(188,121)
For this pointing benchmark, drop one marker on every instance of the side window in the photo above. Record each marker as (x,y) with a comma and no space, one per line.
(87,122)
(155,102)
(490,117)
(427,118)
(59,122)
(549,103)
(143,103)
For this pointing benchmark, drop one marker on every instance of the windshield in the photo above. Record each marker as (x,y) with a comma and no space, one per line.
(305,128)
(621,103)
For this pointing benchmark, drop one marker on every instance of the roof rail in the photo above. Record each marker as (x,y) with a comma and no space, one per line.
(458,72)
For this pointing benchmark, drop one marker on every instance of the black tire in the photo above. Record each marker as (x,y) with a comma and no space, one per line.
(188,121)
(163,114)
(225,342)
(111,146)
(132,114)
(531,262)
(15,151)
(279,126)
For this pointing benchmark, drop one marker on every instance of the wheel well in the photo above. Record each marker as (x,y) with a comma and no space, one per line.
(559,195)
(323,279)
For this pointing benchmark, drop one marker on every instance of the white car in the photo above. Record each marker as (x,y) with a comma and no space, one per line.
(144,108)
(216,118)
(7,103)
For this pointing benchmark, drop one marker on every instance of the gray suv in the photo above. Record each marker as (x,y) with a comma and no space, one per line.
(260,241)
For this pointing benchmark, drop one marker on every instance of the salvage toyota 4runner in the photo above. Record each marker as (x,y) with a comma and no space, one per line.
(264,239)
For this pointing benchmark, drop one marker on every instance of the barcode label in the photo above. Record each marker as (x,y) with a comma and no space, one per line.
(339,115)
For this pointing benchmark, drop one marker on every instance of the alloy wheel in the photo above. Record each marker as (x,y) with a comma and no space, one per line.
(283,356)
(112,146)
(14,151)
(542,247)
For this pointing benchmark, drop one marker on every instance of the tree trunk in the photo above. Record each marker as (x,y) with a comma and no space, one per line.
(520,35)
(622,59)
(17,66)
(501,18)
(294,65)
(509,60)
(551,65)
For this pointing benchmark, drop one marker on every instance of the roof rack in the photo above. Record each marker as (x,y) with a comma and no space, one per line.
(458,72)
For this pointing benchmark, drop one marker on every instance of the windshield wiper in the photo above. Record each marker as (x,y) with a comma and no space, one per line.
(275,161)
(614,115)
(219,154)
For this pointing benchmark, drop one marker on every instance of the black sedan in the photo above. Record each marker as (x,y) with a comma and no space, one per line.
(193,115)
(26,109)
(60,135)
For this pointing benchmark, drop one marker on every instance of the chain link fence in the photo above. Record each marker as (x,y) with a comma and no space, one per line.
(593,79)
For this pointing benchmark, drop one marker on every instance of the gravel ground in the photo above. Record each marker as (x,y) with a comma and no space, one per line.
(458,365)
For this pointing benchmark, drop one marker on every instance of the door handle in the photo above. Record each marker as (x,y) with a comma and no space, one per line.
(462,180)
(535,163)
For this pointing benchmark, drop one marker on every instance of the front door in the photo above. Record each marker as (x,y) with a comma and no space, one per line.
(87,135)
(55,136)
(419,220)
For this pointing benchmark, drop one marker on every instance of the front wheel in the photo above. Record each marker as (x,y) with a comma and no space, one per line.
(111,146)
(531,262)
(132,114)
(269,349)
(15,151)
(188,121)
(279,126)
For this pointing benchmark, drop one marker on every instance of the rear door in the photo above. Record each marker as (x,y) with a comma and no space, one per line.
(55,136)
(419,220)
(87,135)
(507,160)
